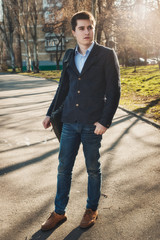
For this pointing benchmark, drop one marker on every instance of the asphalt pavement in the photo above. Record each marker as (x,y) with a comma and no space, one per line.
(129,207)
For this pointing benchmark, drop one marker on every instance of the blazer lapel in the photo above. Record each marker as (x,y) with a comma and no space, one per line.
(72,63)
(91,59)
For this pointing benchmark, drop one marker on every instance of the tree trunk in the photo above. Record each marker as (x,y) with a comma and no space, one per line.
(57,65)
(135,65)
(11,52)
(94,6)
(126,57)
(99,33)
(12,60)
(20,52)
(59,51)
(35,59)
(28,58)
(29,62)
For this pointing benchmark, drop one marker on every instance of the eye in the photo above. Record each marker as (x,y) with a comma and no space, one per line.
(81,28)
(90,27)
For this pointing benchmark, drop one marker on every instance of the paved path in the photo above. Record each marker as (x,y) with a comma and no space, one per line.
(130,202)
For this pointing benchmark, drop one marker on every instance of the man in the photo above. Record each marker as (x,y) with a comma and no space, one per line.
(93,90)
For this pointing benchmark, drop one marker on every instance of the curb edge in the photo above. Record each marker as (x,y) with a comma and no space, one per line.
(141,117)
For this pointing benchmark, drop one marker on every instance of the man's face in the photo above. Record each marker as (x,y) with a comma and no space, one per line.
(84,32)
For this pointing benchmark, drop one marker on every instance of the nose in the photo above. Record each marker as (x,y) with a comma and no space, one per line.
(86,31)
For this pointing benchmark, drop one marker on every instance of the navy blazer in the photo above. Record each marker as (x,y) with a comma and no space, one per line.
(92,95)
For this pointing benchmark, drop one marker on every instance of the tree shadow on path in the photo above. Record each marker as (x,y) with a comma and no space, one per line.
(75,234)
(20,165)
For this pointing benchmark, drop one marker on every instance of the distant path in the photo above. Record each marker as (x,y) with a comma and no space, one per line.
(130,155)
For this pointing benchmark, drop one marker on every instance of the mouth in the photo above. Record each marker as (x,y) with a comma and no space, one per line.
(87,38)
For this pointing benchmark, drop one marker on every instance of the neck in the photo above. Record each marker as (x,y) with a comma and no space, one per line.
(83,48)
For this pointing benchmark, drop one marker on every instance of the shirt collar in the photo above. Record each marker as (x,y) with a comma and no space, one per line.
(88,50)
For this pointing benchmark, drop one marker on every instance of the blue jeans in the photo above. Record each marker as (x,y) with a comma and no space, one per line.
(72,135)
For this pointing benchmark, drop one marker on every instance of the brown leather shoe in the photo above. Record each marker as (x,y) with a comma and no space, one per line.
(89,218)
(54,220)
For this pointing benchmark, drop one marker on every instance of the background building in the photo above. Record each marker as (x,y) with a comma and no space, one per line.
(49,42)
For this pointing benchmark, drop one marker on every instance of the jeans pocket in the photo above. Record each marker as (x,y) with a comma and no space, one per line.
(89,128)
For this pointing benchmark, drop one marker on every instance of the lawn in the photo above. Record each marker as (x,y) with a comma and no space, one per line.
(140,90)
(52,75)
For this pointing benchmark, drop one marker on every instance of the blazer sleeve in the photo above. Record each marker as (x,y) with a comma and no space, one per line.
(63,92)
(112,94)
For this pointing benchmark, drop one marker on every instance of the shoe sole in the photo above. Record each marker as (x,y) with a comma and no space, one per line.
(56,226)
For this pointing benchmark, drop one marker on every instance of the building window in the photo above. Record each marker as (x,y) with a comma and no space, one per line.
(54,42)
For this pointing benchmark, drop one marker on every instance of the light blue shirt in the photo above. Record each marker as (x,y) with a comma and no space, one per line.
(81,59)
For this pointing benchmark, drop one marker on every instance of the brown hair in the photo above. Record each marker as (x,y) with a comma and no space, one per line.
(82,15)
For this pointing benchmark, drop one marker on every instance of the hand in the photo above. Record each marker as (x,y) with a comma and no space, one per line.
(46,122)
(100,129)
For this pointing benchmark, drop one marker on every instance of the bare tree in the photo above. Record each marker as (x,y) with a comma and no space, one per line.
(80,5)
(55,40)
(18,48)
(56,26)
(27,17)
(104,12)
(1,53)
(33,21)
(154,29)
(7,27)
(23,21)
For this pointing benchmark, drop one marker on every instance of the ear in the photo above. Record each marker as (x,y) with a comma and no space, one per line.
(73,32)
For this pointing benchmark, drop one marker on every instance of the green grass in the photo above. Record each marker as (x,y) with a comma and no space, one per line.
(141,91)
(52,75)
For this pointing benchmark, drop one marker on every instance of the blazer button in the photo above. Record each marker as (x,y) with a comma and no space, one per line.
(77,105)
(78,91)
(79,78)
